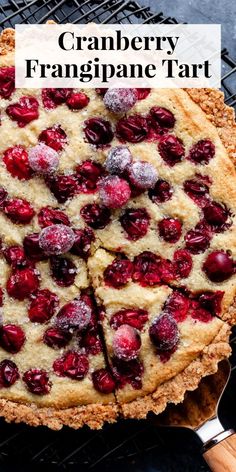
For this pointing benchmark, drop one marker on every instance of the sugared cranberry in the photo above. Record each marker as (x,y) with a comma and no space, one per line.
(197,190)
(12,338)
(22,283)
(23,112)
(103,381)
(3,196)
(114,192)
(91,342)
(202,152)
(62,186)
(118,273)
(43,159)
(164,332)
(146,269)
(18,210)
(56,239)
(170,229)
(7,81)
(142,93)
(72,365)
(82,244)
(15,256)
(95,215)
(32,248)
(163,117)
(37,381)
(211,301)
(56,338)
(133,128)
(98,131)
(120,100)
(77,101)
(171,149)
(73,316)
(218,266)
(118,159)
(87,175)
(54,137)
(48,216)
(52,97)
(142,174)
(135,222)
(63,271)
(126,343)
(9,373)
(162,192)
(127,372)
(135,317)
(178,306)
(182,263)
(216,216)
(197,240)
(17,162)
(43,306)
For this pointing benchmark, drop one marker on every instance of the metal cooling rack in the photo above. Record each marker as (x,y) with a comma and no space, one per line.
(129,444)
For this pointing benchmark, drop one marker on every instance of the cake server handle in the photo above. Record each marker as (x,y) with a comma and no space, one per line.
(220,452)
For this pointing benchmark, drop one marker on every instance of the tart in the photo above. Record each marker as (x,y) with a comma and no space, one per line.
(117,216)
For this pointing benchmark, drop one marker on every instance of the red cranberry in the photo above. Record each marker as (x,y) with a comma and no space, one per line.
(197,190)
(114,192)
(101,91)
(82,244)
(202,152)
(56,338)
(177,306)
(74,315)
(118,159)
(171,149)
(199,313)
(146,269)
(120,100)
(62,186)
(87,175)
(133,128)
(135,317)
(182,263)
(142,175)
(197,240)
(95,215)
(18,210)
(164,332)
(118,273)
(72,365)
(54,137)
(43,159)
(98,131)
(3,196)
(91,342)
(103,381)
(170,229)
(52,97)
(9,373)
(211,301)
(32,248)
(218,266)
(142,93)
(63,271)
(43,306)
(167,271)
(216,216)
(22,283)
(37,381)
(17,163)
(15,256)
(135,221)
(7,81)
(77,101)
(127,372)
(12,338)
(126,343)
(25,111)
(1,297)
(162,192)
(48,216)
(163,117)
(56,239)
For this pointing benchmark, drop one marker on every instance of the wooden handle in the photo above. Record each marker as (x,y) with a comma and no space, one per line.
(222,456)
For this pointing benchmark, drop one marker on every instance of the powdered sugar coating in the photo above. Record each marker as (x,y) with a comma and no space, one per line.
(118,159)
(119,100)
(142,174)
(75,315)
(43,159)
(114,192)
(126,343)
(56,239)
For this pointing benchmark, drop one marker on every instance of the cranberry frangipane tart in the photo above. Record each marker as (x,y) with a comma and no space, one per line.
(117,216)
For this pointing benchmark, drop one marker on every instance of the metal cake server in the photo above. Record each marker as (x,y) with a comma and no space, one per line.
(199,412)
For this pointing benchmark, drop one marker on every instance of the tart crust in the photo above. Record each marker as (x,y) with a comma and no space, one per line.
(172,391)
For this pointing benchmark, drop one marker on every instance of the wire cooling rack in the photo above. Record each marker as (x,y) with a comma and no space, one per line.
(129,444)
